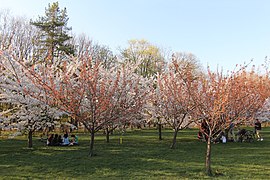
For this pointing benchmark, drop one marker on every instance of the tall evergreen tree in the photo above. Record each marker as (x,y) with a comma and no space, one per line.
(54,32)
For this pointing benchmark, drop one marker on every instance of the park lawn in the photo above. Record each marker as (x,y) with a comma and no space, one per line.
(141,156)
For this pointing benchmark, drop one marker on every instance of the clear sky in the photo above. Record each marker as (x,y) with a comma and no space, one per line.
(218,32)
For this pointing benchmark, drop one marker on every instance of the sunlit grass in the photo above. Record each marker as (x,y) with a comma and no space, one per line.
(141,156)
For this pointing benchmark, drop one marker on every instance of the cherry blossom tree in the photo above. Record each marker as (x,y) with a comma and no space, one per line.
(172,100)
(248,93)
(224,99)
(89,93)
(263,113)
(29,113)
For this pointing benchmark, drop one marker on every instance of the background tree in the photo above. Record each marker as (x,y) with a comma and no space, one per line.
(153,114)
(17,34)
(147,55)
(188,63)
(84,46)
(54,36)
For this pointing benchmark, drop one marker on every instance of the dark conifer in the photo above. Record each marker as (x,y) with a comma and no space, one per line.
(54,35)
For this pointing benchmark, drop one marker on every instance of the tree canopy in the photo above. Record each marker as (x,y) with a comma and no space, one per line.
(146,54)
(54,35)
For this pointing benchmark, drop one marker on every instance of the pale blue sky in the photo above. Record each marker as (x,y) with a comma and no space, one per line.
(218,32)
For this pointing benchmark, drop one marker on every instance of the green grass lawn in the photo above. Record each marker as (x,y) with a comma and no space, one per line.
(141,156)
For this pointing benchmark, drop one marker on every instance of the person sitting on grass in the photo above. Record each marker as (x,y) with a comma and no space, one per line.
(59,139)
(65,140)
(50,140)
(74,140)
(55,140)
(240,134)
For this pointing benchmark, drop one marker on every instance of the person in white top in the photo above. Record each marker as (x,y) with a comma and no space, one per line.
(65,140)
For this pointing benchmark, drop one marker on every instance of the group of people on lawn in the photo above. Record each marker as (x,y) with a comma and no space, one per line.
(221,136)
(57,140)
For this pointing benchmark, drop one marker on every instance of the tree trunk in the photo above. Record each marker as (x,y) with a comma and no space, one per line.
(208,169)
(159,131)
(107,135)
(30,139)
(91,152)
(174,139)
(112,131)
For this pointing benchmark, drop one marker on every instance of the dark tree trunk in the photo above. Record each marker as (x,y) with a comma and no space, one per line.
(174,139)
(91,152)
(208,169)
(159,131)
(30,139)
(107,135)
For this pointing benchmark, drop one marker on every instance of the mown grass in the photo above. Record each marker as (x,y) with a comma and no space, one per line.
(141,156)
